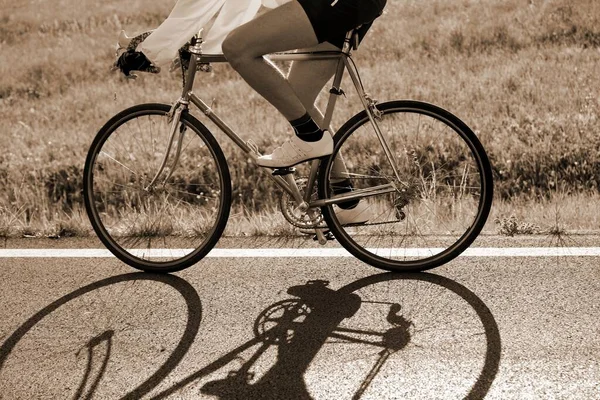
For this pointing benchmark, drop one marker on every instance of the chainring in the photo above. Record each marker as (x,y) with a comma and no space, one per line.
(299,218)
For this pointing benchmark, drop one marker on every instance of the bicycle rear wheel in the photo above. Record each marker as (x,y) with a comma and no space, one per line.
(175,222)
(436,206)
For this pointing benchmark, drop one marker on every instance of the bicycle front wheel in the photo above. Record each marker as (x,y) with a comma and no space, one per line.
(172,223)
(424,202)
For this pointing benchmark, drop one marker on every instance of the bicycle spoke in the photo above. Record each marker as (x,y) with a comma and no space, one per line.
(118,162)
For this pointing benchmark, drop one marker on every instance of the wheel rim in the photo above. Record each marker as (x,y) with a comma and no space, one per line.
(172,222)
(438,206)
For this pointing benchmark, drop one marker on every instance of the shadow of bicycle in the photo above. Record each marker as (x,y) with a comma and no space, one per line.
(384,336)
(65,349)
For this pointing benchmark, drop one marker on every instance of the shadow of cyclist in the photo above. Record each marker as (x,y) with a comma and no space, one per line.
(300,327)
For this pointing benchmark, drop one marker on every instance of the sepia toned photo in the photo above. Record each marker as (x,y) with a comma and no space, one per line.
(300,199)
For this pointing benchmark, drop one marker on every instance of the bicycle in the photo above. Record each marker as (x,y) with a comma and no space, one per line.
(157,186)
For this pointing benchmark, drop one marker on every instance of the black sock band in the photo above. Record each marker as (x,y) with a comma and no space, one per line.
(307,129)
(341,187)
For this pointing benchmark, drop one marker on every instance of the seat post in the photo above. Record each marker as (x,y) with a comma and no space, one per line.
(351,40)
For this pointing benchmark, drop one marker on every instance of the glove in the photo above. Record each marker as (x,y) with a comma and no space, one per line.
(134,61)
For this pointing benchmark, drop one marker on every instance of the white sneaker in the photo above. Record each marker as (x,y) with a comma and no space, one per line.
(295,151)
(352,216)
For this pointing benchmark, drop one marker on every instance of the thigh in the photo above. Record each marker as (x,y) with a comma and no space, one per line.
(286,27)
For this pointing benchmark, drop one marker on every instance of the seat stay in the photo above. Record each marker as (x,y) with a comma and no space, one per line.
(369,106)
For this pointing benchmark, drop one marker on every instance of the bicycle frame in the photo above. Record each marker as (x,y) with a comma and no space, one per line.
(285,180)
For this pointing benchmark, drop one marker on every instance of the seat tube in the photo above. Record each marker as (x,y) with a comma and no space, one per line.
(334,92)
(312,178)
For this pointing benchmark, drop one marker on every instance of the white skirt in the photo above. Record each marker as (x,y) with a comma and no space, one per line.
(189,16)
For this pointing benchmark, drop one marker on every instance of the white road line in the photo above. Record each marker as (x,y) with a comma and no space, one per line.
(310,252)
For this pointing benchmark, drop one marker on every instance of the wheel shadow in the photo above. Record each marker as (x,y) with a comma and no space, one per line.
(296,330)
(98,351)
(299,327)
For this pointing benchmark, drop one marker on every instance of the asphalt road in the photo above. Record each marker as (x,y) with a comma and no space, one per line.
(300,328)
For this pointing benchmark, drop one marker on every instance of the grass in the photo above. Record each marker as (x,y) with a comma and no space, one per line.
(553,215)
(521,73)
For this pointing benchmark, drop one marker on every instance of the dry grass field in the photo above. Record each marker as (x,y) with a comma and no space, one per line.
(522,73)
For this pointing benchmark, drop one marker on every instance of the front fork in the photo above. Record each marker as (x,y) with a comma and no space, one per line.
(174,117)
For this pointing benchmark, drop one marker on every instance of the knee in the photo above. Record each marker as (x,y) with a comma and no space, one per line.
(236,49)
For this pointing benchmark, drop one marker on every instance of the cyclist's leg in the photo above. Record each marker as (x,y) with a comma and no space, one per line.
(290,27)
(308,78)
(284,28)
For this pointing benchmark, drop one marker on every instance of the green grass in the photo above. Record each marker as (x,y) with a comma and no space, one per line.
(523,74)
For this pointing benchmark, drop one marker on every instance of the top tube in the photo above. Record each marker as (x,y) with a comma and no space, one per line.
(286,56)
(350,42)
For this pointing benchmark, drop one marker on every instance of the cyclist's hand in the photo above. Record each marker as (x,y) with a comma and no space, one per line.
(134,61)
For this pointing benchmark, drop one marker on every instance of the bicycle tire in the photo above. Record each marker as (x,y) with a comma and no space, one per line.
(184,216)
(414,220)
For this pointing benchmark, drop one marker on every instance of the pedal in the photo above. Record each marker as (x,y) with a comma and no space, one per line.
(327,235)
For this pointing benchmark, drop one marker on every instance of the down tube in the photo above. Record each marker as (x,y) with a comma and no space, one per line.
(234,137)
